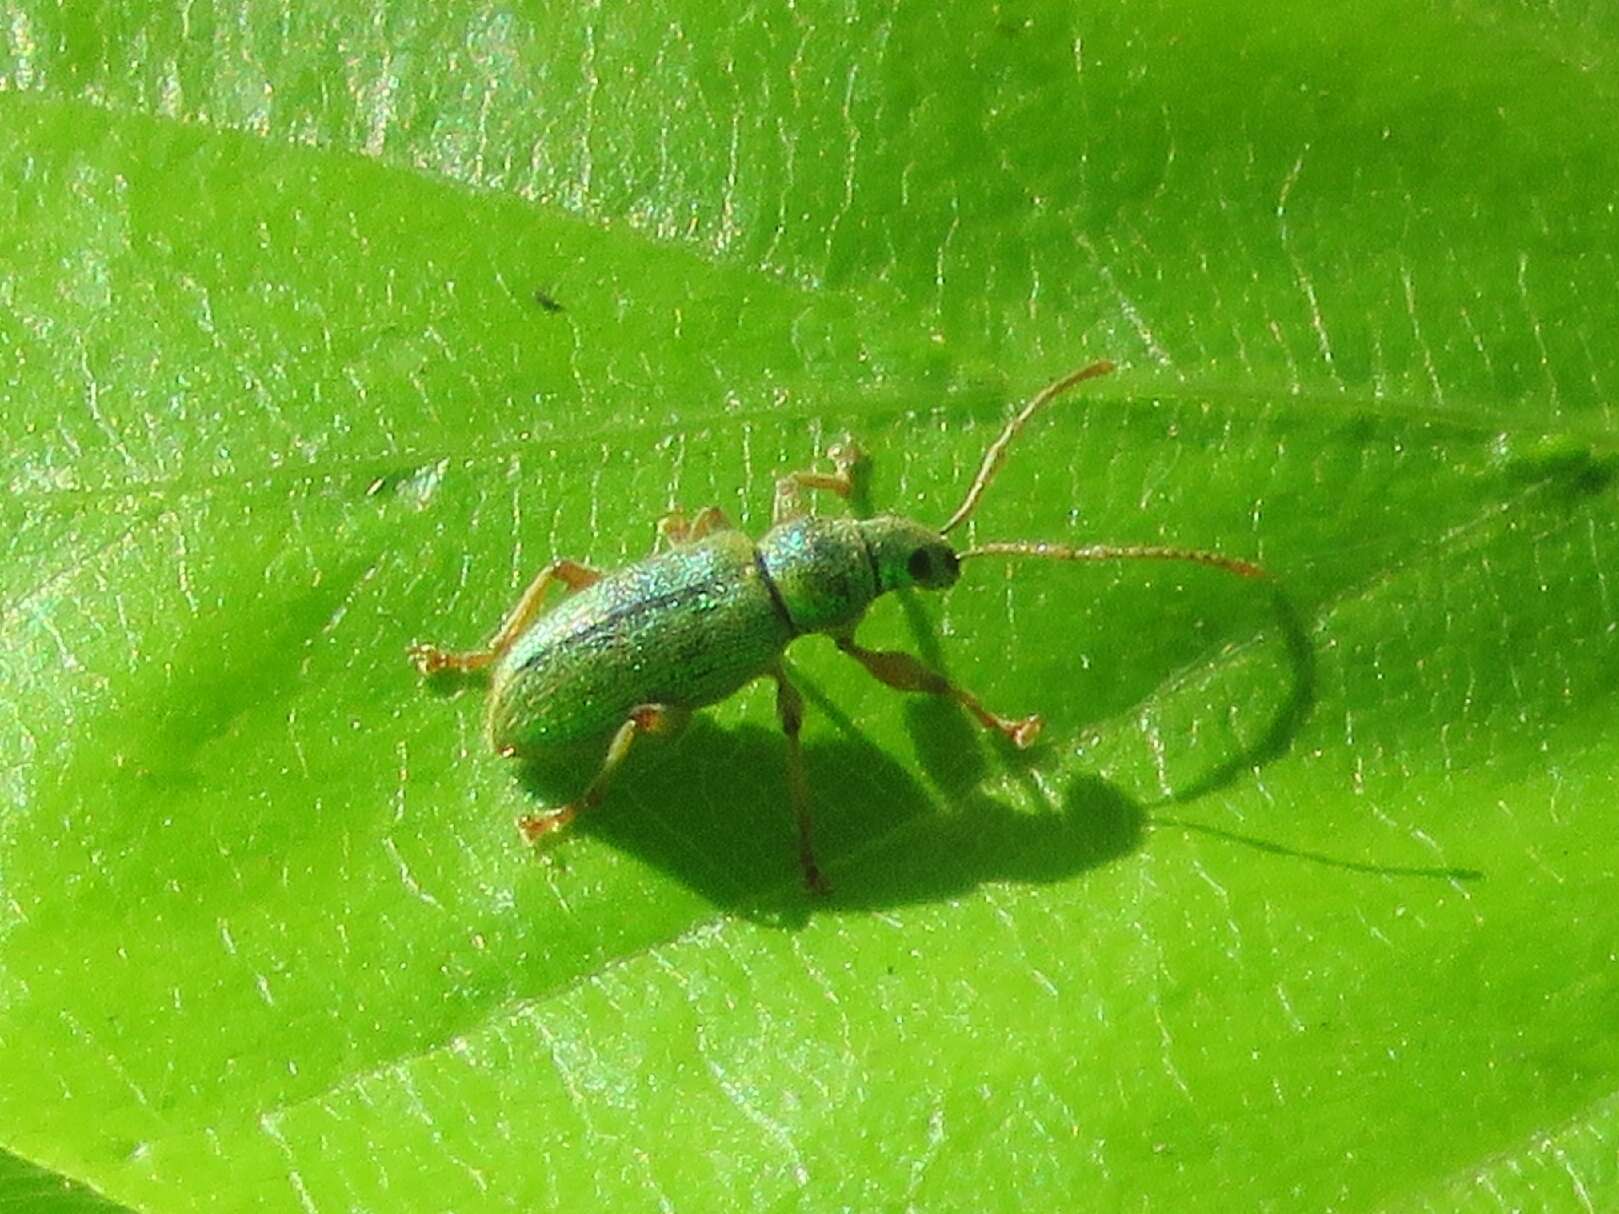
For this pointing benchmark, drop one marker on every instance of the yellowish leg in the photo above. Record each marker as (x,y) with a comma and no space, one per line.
(652,718)
(709,520)
(846,458)
(790,708)
(430,659)
(904,673)
(675,528)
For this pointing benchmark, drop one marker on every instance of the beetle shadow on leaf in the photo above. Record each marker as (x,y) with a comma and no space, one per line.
(974,838)
(986,841)
(712,807)
(941,733)
(712,810)
(1272,742)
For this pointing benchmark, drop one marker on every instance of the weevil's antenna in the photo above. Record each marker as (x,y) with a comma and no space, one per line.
(1109,552)
(997,449)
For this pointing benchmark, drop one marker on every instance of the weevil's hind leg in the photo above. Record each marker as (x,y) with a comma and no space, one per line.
(846,458)
(904,673)
(430,659)
(649,718)
(790,708)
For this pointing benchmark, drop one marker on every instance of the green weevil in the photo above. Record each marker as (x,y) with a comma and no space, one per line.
(637,651)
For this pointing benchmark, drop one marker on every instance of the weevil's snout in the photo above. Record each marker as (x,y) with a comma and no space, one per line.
(933,566)
(908,554)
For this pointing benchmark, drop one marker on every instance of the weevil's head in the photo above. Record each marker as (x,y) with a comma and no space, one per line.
(906,553)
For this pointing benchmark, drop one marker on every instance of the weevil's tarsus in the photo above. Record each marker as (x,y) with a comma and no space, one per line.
(709,520)
(904,673)
(430,659)
(790,709)
(847,460)
(675,528)
(996,454)
(648,719)
(534,827)
(672,529)
(1114,552)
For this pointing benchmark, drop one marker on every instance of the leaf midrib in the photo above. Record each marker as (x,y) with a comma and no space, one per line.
(1329,408)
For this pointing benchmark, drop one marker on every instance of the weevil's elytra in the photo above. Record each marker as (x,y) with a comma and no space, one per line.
(686,627)
(637,651)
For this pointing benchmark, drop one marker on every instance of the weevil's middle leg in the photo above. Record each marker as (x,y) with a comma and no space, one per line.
(650,718)
(790,708)
(675,528)
(430,658)
(846,460)
(709,520)
(904,673)
(672,529)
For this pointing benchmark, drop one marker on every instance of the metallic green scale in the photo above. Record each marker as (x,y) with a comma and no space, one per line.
(687,628)
(684,628)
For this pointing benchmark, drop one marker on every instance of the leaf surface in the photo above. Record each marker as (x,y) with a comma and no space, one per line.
(1305,901)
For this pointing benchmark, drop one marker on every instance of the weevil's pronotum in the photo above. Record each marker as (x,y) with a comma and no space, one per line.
(637,651)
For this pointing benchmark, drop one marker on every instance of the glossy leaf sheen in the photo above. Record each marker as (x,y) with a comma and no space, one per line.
(1306,901)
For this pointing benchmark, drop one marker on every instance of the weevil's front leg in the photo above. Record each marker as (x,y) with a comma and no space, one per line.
(430,658)
(790,708)
(905,673)
(649,718)
(846,459)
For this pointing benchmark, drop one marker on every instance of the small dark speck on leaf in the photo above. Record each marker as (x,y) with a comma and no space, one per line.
(545,301)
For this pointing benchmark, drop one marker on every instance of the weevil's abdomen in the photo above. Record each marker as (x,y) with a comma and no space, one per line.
(684,628)
(822,569)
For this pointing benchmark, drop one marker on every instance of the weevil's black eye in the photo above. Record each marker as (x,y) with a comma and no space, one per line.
(919,565)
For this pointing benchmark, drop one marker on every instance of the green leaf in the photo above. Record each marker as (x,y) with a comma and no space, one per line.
(1305,901)
(23,1186)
